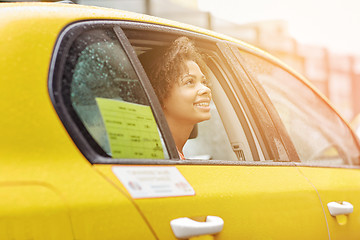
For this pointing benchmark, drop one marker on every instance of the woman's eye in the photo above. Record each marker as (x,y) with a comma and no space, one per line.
(189,81)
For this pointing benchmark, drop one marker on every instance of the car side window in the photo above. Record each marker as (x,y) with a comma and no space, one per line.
(319,135)
(106,98)
(224,136)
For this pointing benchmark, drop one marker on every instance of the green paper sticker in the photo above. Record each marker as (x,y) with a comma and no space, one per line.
(131,129)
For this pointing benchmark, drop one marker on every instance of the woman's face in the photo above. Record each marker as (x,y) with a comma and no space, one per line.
(189,99)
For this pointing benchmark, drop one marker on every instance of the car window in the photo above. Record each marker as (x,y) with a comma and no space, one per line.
(224,136)
(108,111)
(317,132)
(107,99)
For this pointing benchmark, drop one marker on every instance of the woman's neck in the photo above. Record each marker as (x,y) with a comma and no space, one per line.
(180,132)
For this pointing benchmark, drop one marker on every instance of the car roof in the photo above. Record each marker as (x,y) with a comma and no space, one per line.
(58,15)
(67,13)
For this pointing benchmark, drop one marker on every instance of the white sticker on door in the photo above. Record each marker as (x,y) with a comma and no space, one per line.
(153,182)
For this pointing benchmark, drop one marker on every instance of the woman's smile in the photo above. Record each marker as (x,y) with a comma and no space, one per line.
(203,104)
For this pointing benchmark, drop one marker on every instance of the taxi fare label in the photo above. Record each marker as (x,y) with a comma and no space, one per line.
(153,182)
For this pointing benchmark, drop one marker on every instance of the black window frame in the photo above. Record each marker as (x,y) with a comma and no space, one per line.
(80,140)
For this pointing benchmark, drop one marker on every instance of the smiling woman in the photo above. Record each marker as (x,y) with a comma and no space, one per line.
(181,86)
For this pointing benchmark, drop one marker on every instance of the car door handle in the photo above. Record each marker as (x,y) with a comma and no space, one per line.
(186,227)
(336,208)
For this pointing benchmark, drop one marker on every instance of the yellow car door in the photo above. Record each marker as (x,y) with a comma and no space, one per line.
(249,190)
(328,150)
(255,202)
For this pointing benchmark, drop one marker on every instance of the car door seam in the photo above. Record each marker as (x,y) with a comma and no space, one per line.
(131,200)
(318,194)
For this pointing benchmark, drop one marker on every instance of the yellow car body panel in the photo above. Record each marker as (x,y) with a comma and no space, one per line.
(23,217)
(235,194)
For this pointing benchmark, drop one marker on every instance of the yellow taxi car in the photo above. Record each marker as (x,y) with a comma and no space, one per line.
(86,152)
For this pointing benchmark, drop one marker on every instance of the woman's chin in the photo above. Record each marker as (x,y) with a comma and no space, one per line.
(204,117)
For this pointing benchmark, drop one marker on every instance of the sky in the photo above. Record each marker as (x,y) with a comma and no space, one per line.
(334,24)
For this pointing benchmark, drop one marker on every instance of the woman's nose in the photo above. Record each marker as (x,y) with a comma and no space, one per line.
(204,90)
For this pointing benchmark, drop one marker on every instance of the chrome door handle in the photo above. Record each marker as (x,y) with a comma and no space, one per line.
(336,208)
(186,227)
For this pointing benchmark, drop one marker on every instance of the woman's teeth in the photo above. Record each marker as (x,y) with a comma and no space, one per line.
(203,104)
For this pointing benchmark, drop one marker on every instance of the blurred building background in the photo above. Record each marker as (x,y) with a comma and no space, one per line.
(336,75)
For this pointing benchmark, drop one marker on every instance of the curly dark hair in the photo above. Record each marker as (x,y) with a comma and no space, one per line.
(164,66)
